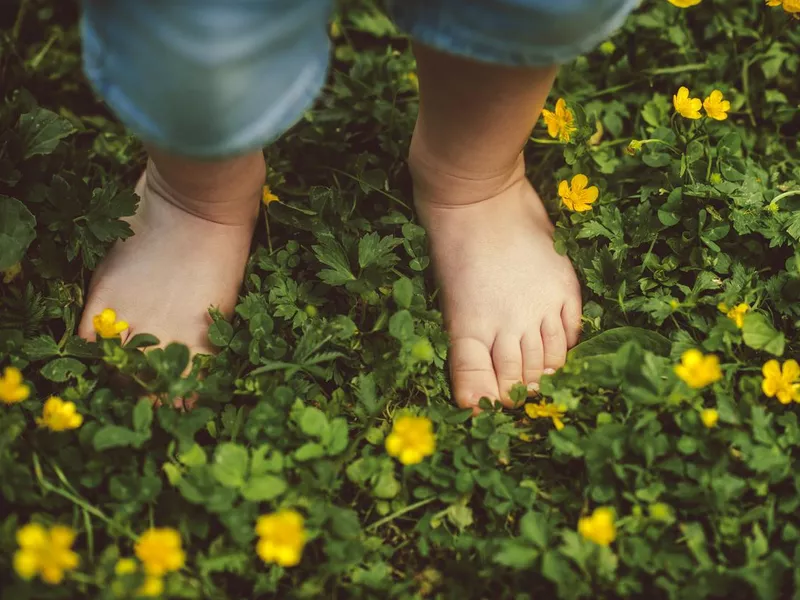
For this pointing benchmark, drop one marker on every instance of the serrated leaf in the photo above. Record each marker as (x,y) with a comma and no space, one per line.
(374,250)
(43,346)
(329,252)
(40,131)
(759,334)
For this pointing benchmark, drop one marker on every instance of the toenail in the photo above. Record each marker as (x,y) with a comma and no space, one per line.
(533,387)
(549,371)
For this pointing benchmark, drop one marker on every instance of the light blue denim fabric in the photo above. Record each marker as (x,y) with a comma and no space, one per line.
(213,78)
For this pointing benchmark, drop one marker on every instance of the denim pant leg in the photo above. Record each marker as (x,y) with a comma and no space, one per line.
(512,32)
(206,78)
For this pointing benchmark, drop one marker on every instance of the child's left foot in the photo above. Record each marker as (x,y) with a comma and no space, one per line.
(512,305)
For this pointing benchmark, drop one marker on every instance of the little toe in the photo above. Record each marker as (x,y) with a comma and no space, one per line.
(472,372)
(532,359)
(571,314)
(507,360)
(554,341)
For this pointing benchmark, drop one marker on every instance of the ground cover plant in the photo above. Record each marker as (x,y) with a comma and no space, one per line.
(323,457)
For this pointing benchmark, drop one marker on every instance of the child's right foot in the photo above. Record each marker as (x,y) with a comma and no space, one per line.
(512,305)
(186,255)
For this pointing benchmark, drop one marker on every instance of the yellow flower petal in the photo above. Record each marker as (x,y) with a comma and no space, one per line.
(791,370)
(579,182)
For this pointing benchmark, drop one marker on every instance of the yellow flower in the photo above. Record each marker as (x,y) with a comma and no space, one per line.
(43,552)
(599,527)
(125,566)
(543,410)
(10,274)
(561,123)
(12,390)
(577,196)
(735,314)
(160,551)
(790,6)
(684,3)
(411,439)
(716,107)
(282,537)
(709,417)
(106,324)
(58,415)
(686,106)
(153,586)
(781,383)
(698,370)
(267,197)
(412,78)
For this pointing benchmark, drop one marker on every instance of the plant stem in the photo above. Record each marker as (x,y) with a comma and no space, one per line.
(400,513)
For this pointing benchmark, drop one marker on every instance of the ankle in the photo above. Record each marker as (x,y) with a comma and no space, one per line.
(226,191)
(446,181)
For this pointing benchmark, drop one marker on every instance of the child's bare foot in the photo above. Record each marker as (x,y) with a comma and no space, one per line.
(512,305)
(186,255)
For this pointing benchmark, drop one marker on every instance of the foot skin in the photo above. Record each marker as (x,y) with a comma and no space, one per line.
(164,278)
(512,305)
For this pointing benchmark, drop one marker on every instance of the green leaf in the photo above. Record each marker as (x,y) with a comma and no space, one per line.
(609,341)
(114,436)
(41,130)
(16,231)
(309,451)
(759,334)
(516,555)
(42,346)
(403,292)
(313,422)
(143,415)
(220,333)
(173,473)
(386,487)
(372,249)
(338,436)
(263,488)
(230,464)
(329,252)
(194,457)
(533,527)
(62,369)
(401,325)
(142,340)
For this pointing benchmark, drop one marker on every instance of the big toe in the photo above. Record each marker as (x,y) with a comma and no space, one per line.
(472,372)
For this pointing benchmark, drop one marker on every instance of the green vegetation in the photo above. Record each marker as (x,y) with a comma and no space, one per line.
(337,335)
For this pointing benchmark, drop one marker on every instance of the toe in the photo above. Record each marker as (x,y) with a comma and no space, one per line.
(532,359)
(507,360)
(472,372)
(571,320)
(554,341)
